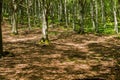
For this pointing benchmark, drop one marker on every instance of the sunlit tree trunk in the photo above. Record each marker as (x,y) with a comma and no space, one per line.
(115,16)
(44,21)
(44,26)
(1,44)
(14,17)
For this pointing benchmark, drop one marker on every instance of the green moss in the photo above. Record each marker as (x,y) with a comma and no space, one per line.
(44,41)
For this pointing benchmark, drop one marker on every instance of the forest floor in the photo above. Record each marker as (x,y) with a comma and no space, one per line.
(69,56)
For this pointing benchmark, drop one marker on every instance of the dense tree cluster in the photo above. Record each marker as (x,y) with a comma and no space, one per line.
(71,12)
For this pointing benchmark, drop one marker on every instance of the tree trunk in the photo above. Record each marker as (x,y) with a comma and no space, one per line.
(44,26)
(14,18)
(44,22)
(1,44)
(73,16)
(39,11)
(81,23)
(66,16)
(81,16)
(35,12)
(115,17)
(92,16)
(60,11)
(28,13)
(102,12)
(96,16)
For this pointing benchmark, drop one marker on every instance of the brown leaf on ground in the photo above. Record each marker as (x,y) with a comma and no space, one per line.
(69,56)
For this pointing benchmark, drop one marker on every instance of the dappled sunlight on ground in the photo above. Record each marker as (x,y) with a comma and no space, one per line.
(69,56)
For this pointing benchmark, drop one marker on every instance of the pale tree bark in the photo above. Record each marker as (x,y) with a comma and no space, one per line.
(115,16)
(45,21)
(14,17)
(28,2)
(60,10)
(44,25)
(1,44)
(94,14)
(66,16)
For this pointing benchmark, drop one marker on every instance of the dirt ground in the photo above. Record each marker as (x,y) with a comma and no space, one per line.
(69,56)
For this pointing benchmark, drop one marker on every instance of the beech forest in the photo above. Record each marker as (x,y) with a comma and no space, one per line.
(59,39)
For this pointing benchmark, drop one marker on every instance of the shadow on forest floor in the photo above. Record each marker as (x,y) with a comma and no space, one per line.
(70,57)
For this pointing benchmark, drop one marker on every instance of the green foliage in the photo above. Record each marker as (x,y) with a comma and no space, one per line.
(109,31)
(44,41)
(88,30)
(77,27)
(6,15)
(53,32)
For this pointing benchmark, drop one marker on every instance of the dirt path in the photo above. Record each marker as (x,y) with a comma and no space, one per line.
(69,56)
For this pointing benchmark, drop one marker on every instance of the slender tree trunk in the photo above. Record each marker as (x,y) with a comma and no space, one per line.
(44,26)
(28,13)
(66,16)
(96,16)
(81,15)
(115,17)
(73,16)
(14,18)
(69,16)
(1,44)
(81,23)
(102,12)
(92,16)
(60,11)
(39,10)
(45,22)
(35,13)
(14,23)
